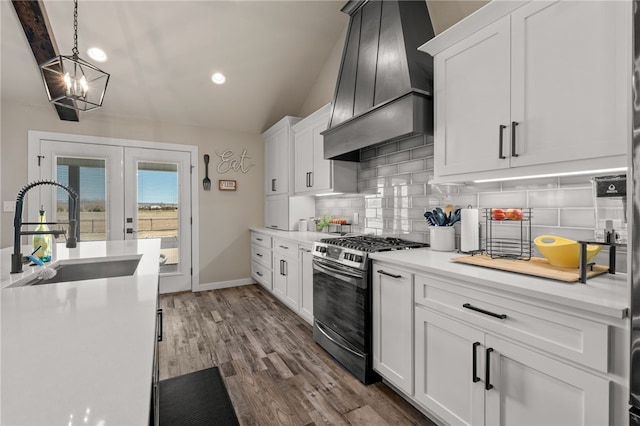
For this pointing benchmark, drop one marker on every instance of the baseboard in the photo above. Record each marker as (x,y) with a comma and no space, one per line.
(224,284)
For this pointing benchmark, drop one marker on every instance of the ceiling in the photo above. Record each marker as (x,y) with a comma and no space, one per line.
(162,54)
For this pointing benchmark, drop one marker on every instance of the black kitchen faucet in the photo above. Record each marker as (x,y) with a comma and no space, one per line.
(16,257)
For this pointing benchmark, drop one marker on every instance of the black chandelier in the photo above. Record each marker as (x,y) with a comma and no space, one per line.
(75,83)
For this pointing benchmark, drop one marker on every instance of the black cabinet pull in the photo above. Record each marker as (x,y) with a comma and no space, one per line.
(513,138)
(500,151)
(380,271)
(475,361)
(482,311)
(487,371)
(310,179)
(286,267)
(160,320)
(284,247)
(258,239)
(281,267)
(258,254)
(259,273)
(273,184)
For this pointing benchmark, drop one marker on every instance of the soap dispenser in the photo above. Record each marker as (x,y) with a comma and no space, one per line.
(42,242)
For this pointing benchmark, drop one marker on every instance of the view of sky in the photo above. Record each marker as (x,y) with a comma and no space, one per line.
(154,187)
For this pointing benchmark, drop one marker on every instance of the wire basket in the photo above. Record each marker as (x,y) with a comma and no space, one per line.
(512,221)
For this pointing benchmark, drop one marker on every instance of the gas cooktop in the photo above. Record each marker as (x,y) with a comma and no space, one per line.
(370,244)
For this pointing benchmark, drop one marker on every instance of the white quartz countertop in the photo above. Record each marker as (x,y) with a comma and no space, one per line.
(605,294)
(80,353)
(296,236)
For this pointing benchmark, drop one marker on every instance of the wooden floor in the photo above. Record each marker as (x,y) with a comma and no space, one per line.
(275,373)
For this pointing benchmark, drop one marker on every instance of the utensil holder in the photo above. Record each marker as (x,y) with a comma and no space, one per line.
(442,238)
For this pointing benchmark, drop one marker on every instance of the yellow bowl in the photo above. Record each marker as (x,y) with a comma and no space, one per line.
(562,251)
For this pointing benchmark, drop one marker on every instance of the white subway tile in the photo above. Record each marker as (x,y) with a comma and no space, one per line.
(387,148)
(368,173)
(374,223)
(503,199)
(412,166)
(544,217)
(387,170)
(422,152)
(579,197)
(575,181)
(578,218)
(374,203)
(411,142)
(511,185)
(421,177)
(419,226)
(367,153)
(399,157)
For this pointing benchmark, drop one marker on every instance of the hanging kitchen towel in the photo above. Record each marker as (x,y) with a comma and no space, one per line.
(469,230)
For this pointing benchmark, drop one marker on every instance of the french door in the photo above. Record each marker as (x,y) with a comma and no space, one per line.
(125,193)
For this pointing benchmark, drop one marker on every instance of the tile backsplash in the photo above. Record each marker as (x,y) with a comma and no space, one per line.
(394,193)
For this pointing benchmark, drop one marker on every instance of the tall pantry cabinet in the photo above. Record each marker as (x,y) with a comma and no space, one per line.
(282,210)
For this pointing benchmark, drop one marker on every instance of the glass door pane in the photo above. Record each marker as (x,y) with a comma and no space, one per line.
(157,207)
(88,177)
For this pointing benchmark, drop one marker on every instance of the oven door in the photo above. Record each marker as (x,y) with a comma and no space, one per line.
(340,297)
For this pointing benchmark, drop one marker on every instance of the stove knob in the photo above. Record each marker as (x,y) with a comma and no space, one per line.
(358,259)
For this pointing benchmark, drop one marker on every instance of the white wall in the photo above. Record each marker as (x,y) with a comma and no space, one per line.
(224,216)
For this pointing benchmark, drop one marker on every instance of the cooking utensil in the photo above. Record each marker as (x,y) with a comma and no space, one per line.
(448,209)
(206,182)
(563,252)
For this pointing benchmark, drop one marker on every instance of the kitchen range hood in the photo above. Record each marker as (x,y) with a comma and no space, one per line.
(384,88)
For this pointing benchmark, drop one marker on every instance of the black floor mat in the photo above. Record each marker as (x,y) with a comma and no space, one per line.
(196,399)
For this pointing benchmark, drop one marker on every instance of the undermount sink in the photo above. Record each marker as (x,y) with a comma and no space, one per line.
(86,269)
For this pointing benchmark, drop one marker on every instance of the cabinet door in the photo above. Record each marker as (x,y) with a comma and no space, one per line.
(304,148)
(570,74)
(449,368)
(321,179)
(277,212)
(279,276)
(393,326)
(532,389)
(472,93)
(292,276)
(277,162)
(306,284)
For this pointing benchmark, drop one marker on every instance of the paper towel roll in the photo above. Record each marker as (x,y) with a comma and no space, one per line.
(469,230)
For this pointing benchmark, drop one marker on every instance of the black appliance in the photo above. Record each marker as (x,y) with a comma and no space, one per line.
(342,298)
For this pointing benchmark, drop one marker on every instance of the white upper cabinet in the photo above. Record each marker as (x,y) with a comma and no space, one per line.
(538,88)
(314,174)
(278,157)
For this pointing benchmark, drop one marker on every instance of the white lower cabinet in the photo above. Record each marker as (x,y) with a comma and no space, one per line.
(449,362)
(306,283)
(286,282)
(469,377)
(392,314)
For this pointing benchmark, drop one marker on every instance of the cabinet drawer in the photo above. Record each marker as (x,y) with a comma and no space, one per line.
(261,239)
(574,338)
(262,274)
(261,255)
(285,247)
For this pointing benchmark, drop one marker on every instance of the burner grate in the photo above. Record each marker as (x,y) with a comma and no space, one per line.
(370,243)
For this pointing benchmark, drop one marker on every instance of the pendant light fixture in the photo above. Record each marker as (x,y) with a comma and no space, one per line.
(79,85)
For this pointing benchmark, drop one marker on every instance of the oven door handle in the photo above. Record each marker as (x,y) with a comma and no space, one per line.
(336,273)
(334,341)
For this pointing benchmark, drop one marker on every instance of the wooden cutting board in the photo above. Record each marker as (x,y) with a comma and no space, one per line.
(537,266)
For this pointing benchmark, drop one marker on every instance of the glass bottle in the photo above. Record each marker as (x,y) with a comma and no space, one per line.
(44,241)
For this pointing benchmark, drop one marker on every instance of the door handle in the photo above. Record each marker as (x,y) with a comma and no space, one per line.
(310,179)
(482,311)
(273,184)
(500,151)
(475,377)
(131,231)
(160,320)
(514,124)
(286,267)
(487,371)
(380,271)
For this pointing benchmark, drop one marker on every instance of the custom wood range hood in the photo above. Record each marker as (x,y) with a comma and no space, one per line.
(384,87)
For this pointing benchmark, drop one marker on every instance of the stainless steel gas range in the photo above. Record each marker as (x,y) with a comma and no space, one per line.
(342,298)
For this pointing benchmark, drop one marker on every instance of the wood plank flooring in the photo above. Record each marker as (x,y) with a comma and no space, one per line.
(274,371)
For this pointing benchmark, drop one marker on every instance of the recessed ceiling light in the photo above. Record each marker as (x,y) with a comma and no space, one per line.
(218,78)
(97,54)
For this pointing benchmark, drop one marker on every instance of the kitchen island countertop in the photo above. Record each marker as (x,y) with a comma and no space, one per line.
(605,294)
(80,352)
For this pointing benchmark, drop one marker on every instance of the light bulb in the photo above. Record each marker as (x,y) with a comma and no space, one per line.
(84,85)
(218,78)
(67,82)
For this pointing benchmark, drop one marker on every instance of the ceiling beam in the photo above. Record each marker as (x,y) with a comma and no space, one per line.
(35,23)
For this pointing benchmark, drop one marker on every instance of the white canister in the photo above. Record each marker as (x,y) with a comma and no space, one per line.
(303,225)
(442,238)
